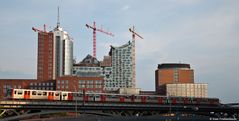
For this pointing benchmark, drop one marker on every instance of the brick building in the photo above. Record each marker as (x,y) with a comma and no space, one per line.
(45,56)
(6,84)
(172,73)
(74,83)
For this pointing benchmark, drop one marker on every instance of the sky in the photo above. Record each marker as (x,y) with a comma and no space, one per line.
(202,33)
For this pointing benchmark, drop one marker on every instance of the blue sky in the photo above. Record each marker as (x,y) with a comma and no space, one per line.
(203,33)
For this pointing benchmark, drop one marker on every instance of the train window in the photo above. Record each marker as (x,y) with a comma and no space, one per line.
(19,93)
(39,93)
(56,94)
(50,94)
(75,94)
(64,94)
(15,92)
(44,93)
(34,92)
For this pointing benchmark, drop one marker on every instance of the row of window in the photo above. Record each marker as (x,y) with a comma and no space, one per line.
(42,84)
(86,68)
(12,86)
(42,88)
(90,86)
(62,81)
(90,81)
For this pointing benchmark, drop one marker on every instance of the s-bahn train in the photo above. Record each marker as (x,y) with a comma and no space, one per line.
(28,94)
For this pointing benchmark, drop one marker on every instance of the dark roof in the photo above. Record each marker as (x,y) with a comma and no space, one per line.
(89,61)
(173,65)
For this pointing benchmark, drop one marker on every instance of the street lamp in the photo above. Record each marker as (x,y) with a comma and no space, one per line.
(76,101)
(170,102)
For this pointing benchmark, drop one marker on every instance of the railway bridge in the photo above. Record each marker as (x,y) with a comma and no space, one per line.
(17,109)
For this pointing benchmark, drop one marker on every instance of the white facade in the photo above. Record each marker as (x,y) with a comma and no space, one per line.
(187,90)
(63,54)
(122,67)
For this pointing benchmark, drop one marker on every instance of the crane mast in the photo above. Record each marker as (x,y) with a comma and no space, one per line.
(94,35)
(38,30)
(132,30)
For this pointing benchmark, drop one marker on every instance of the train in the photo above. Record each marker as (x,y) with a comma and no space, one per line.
(29,94)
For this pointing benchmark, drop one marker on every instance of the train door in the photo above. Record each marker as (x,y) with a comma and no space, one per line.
(102,98)
(174,101)
(198,101)
(132,98)
(121,98)
(61,95)
(26,94)
(160,100)
(50,96)
(143,99)
(185,101)
(70,96)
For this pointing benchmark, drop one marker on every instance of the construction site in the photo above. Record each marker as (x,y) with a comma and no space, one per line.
(116,73)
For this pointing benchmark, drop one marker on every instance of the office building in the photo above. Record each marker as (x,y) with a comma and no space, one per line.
(172,73)
(80,84)
(55,54)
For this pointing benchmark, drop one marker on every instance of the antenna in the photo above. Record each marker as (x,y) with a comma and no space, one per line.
(58,17)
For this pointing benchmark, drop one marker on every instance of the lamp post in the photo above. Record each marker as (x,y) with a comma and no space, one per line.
(76,101)
(170,104)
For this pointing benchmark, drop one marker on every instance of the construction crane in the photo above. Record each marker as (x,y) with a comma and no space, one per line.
(38,30)
(94,36)
(133,54)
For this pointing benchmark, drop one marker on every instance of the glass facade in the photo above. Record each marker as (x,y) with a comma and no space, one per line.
(122,67)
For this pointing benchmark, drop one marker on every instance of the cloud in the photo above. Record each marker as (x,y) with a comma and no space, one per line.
(125,8)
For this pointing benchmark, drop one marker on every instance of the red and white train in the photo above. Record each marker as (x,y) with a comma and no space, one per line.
(28,94)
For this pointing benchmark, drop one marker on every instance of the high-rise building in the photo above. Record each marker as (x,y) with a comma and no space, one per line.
(122,69)
(45,57)
(55,54)
(63,53)
(172,73)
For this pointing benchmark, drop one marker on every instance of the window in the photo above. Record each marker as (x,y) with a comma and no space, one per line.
(44,93)
(34,92)
(39,93)
(57,94)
